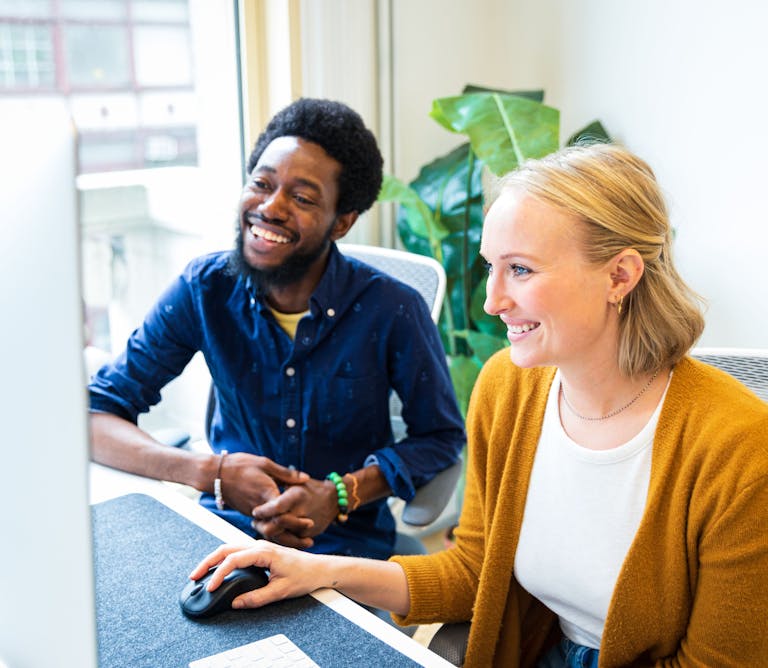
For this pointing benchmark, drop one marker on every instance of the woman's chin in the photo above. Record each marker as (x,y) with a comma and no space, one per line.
(525,360)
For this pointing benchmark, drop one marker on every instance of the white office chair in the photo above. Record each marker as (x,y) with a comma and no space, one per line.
(423,273)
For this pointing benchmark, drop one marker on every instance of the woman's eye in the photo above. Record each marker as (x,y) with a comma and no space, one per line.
(519,270)
(488,267)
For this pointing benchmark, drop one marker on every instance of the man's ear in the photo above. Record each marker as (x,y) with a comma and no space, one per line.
(342,224)
(626,269)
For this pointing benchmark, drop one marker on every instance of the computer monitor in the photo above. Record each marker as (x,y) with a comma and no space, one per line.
(46,572)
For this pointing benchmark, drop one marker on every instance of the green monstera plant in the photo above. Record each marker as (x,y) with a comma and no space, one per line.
(441,211)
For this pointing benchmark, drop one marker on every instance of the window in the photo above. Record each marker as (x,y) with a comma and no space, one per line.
(125,67)
(26,57)
(152,88)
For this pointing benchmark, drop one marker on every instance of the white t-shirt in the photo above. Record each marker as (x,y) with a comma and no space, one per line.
(581,515)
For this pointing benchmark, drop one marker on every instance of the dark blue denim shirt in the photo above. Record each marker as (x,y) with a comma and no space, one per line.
(319,402)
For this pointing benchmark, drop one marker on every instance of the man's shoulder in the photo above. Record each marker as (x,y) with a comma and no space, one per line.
(210,268)
(361,281)
(213,262)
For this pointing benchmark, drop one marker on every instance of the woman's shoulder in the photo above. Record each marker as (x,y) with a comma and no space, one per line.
(709,391)
(717,420)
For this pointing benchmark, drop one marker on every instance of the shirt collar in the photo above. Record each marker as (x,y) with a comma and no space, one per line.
(337,289)
(334,293)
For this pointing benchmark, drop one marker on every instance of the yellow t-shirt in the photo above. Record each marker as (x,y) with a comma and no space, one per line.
(289,321)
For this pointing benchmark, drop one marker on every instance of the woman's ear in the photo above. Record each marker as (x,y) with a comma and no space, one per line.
(626,268)
(343,224)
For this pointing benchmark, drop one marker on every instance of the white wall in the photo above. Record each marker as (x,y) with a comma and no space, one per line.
(340,61)
(681,83)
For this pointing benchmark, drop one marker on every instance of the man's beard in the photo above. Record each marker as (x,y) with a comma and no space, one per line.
(289,272)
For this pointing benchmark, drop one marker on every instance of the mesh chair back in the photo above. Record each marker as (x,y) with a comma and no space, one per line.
(748,365)
(425,274)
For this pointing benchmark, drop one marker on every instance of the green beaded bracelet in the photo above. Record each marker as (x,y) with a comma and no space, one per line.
(341,493)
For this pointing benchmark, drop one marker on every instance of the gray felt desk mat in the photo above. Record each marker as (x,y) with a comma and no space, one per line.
(143,553)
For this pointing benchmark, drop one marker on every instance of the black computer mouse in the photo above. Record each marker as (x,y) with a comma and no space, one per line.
(196,601)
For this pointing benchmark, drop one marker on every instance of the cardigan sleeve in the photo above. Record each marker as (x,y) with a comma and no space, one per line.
(503,423)
(443,586)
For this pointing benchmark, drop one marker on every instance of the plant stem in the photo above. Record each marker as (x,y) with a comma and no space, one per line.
(466,276)
(437,252)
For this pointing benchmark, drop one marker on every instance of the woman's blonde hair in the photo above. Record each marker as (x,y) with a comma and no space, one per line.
(616,195)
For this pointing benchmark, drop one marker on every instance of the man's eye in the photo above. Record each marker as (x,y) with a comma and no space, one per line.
(259,184)
(302,200)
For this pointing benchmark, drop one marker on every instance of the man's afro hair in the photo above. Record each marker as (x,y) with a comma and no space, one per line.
(341,133)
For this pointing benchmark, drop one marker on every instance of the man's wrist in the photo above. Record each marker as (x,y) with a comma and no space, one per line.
(352,483)
(342,496)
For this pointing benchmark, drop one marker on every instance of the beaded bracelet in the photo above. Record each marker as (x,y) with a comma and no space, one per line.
(217,483)
(341,493)
(355,500)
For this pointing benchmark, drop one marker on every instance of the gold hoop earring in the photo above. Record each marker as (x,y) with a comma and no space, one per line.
(619,304)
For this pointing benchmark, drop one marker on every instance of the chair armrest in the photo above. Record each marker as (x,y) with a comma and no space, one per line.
(450,642)
(432,498)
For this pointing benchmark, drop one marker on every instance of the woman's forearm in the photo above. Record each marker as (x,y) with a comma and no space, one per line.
(380,584)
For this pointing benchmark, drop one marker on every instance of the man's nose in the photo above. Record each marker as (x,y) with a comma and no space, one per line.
(275,205)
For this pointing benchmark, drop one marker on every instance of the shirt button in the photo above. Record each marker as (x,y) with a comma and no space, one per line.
(306,340)
(290,423)
(290,371)
(330,312)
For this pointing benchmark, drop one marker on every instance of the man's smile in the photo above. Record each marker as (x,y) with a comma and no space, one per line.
(260,229)
(257,231)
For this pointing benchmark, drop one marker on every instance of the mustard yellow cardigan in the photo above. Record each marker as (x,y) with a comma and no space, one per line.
(693,589)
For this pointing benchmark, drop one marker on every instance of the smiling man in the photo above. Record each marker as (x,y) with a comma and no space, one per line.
(304,347)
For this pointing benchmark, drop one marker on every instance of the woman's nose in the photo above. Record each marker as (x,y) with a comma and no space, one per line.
(496,300)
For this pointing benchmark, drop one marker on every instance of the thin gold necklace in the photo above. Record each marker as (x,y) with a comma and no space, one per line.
(613,412)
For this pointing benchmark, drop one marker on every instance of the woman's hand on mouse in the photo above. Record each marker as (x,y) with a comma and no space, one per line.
(292,572)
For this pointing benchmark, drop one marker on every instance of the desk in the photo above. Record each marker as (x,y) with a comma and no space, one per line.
(108,484)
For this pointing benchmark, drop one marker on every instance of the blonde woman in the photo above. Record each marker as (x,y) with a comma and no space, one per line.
(616,506)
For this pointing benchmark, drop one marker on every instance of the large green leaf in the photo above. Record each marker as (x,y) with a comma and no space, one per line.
(537,95)
(421,220)
(442,184)
(594,132)
(484,345)
(502,129)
